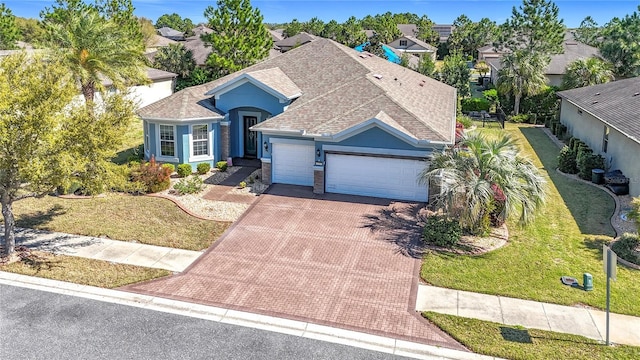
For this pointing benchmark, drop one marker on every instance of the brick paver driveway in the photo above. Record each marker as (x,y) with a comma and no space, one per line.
(332,259)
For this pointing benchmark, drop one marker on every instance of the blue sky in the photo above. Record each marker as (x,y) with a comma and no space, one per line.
(442,11)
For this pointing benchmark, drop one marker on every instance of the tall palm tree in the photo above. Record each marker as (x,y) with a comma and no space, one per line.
(522,74)
(587,72)
(95,49)
(484,177)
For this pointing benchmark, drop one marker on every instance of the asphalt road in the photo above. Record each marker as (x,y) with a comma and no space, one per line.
(41,325)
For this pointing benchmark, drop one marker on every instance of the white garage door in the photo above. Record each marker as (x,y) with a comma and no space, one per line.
(293,163)
(375,176)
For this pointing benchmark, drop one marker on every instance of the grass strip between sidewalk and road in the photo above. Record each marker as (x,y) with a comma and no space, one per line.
(518,343)
(565,238)
(144,219)
(82,271)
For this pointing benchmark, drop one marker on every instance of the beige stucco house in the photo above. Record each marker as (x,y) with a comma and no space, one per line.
(607,118)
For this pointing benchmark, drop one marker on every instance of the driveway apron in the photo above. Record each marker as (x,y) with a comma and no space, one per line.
(336,260)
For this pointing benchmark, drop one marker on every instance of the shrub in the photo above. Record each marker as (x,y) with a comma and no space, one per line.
(153,177)
(626,247)
(587,162)
(561,130)
(203,168)
(465,121)
(184,170)
(634,214)
(190,185)
(491,95)
(242,185)
(521,118)
(221,165)
(171,167)
(567,161)
(441,231)
(120,179)
(475,104)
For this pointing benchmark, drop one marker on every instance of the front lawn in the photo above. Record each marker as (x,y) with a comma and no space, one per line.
(518,343)
(144,219)
(565,239)
(83,271)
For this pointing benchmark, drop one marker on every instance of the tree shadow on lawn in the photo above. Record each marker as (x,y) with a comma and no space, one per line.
(37,219)
(589,206)
(124,156)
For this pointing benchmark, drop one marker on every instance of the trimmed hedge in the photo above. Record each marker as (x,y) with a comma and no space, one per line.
(475,104)
(203,168)
(567,161)
(441,231)
(184,170)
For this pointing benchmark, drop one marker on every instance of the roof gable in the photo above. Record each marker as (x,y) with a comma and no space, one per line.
(273,81)
(616,103)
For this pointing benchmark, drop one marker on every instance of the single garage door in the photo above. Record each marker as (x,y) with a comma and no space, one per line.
(392,178)
(293,163)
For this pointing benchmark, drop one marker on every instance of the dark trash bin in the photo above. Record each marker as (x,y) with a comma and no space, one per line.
(597,176)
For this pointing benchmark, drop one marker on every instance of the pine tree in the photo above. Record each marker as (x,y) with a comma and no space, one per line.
(239,38)
(9,32)
(535,27)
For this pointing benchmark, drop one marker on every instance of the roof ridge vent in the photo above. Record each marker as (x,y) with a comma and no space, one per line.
(636,94)
(377,76)
(597,94)
(594,102)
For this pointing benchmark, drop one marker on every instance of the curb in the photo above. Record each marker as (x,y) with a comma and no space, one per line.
(240,318)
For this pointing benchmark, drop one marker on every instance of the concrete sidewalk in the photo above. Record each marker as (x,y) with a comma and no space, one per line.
(589,323)
(105,249)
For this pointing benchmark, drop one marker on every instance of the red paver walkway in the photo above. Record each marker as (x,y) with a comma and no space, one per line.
(323,259)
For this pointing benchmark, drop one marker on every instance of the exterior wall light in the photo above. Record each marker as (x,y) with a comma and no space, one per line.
(318,152)
(266,146)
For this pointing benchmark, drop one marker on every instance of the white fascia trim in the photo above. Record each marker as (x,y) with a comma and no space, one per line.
(225,123)
(291,141)
(371,123)
(167,159)
(377,151)
(210,134)
(182,121)
(282,132)
(266,160)
(246,78)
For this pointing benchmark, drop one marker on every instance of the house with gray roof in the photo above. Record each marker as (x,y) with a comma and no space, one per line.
(572,50)
(289,43)
(320,115)
(414,46)
(607,118)
(170,33)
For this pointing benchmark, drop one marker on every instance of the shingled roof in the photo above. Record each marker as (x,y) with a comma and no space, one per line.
(340,88)
(616,103)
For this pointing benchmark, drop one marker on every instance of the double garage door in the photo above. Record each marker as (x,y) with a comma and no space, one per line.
(393,178)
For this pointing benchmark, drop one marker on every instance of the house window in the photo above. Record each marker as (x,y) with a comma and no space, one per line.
(605,139)
(403,42)
(200,140)
(167,140)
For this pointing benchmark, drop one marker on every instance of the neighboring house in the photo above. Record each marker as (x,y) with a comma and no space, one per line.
(408,29)
(572,51)
(276,34)
(320,115)
(289,43)
(607,118)
(162,84)
(199,49)
(201,29)
(156,42)
(170,33)
(444,30)
(414,46)
(488,52)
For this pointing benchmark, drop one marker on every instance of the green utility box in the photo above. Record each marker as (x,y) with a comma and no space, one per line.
(587,282)
(597,176)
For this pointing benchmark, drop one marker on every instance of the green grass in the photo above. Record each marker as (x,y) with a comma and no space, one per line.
(144,219)
(518,343)
(565,239)
(132,144)
(83,271)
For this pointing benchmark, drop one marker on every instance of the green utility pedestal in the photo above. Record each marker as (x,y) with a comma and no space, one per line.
(587,282)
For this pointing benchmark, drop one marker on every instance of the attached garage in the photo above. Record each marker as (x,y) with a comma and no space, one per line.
(292,163)
(385,177)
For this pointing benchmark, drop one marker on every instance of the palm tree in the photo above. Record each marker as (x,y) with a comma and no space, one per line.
(522,74)
(95,49)
(587,72)
(484,179)
(175,58)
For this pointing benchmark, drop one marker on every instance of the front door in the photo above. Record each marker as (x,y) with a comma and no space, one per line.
(250,137)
